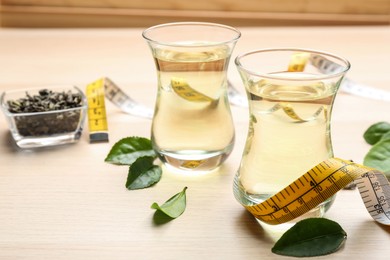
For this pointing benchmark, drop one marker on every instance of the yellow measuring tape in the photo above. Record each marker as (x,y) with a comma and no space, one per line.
(319,184)
(97,118)
(193,164)
(288,110)
(323,181)
(298,61)
(182,89)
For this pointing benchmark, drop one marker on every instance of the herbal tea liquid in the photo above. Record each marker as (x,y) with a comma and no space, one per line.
(288,135)
(187,132)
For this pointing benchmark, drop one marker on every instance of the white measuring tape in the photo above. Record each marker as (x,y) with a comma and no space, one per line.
(326,66)
(348,86)
(119,98)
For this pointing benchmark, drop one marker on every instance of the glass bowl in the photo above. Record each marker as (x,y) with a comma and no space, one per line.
(49,116)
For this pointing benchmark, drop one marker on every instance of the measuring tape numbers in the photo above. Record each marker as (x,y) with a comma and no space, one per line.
(319,184)
(183,90)
(97,117)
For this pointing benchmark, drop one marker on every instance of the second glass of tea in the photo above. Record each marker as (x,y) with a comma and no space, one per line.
(192,128)
(290,94)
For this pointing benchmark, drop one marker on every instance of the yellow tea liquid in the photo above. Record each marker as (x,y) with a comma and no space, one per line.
(288,135)
(193,133)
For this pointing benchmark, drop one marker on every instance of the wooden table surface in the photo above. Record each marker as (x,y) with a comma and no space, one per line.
(66,203)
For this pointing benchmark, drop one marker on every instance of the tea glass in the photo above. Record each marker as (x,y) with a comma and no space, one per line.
(290,100)
(192,127)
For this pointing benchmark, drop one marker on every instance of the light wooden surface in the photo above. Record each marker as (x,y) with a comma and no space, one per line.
(115,13)
(66,203)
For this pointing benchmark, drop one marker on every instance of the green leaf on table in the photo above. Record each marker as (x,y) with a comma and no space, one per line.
(129,149)
(173,207)
(375,132)
(385,136)
(311,237)
(143,173)
(378,156)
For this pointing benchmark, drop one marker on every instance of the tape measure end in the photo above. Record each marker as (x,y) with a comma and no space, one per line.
(98,137)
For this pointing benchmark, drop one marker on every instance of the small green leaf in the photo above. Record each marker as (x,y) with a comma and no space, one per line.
(129,149)
(311,237)
(375,132)
(143,174)
(378,156)
(173,207)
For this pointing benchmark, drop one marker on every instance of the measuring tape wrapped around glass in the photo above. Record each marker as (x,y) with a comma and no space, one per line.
(325,179)
(320,183)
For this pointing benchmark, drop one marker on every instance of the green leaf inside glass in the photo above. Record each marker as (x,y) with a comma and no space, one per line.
(173,207)
(143,173)
(127,150)
(311,237)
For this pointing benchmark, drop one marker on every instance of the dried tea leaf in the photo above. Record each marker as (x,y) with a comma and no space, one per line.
(311,237)
(173,207)
(143,174)
(129,149)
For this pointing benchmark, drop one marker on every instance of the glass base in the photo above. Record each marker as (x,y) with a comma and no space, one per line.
(43,141)
(250,200)
(193,162)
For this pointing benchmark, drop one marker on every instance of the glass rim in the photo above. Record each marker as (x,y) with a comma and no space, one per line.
(276,77)
(200,24)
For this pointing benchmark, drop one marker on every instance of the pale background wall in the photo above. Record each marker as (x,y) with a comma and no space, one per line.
(130,13)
